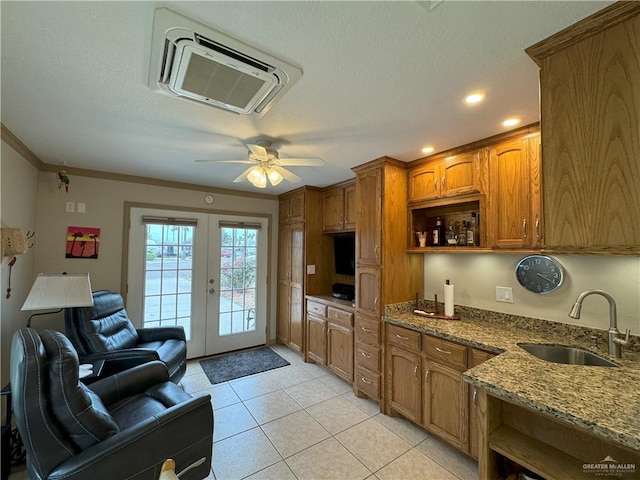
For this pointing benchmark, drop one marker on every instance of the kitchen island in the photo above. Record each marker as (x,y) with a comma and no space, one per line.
(570,416)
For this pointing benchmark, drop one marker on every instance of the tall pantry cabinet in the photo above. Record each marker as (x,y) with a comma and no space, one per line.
(300,244)
(385,272)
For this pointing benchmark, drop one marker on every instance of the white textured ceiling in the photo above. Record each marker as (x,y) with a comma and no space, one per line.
(380,78)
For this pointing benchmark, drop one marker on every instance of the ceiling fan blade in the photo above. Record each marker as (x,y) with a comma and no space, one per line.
(259,151)
(286,174)
(243,176)
(225,161)
(302,162)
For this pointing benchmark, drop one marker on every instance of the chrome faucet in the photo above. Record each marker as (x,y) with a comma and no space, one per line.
(615,341)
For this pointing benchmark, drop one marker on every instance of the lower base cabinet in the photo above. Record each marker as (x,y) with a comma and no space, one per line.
(330,339)
(425,385)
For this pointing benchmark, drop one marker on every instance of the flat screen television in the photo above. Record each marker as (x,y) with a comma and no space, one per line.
(344,249)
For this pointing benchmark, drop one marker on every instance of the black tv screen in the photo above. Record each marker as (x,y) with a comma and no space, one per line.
(344,248)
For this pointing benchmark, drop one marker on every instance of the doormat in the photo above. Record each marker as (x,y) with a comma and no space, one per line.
(236,365)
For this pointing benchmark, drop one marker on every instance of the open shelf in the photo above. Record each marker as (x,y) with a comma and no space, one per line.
(537,456)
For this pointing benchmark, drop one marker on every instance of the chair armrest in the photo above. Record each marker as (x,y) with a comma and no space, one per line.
(161,334)
(130,382)
(118,360)
(182,432)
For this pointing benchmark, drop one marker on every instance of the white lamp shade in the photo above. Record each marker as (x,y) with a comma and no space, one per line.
(57,290)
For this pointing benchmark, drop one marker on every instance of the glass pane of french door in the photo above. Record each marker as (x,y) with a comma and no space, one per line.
(238,268)
(168,273)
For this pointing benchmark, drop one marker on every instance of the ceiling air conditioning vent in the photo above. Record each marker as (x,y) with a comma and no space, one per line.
(192,61)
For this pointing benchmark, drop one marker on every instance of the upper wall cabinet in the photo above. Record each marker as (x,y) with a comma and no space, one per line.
(445,175)
(590,116)
(339,208)
(291,208)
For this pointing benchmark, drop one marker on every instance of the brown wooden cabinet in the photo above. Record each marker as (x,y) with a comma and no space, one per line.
(590,116)
(445,175)
(515,208)
(404,370)
(384,272)
(300,243)
(425,385)
(330,335)
(339,208)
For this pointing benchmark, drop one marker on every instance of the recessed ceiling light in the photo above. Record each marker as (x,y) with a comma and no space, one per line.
(510,122)
(428,149)
(474,97)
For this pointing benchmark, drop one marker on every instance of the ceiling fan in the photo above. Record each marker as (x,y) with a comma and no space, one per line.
(267,165)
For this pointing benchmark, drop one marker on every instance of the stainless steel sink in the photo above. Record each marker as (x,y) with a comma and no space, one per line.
(564,354)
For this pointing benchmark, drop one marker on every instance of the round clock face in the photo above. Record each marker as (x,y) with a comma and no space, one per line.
(539,273)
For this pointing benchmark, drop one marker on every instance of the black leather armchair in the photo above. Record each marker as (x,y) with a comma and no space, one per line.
(104,331)
(123,426)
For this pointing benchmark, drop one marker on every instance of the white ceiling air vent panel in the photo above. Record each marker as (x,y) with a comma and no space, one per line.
(193,61)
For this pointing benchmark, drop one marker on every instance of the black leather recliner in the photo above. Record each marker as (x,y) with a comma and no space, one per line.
(123,426)
(104,331)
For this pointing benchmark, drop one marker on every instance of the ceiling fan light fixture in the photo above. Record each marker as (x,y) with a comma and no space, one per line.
(257,177)
(274,177)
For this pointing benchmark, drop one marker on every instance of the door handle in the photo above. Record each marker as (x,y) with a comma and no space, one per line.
(212,290)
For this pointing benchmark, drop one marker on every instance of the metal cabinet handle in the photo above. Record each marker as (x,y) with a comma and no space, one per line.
(366,330)
(537,228)
(364,380)
(524,228)
(375,303)
(375,251)
(366,355)
(475,396)
(401,337)
(426,376)
(415,371)
(435,184)
(446,352)
(444,183)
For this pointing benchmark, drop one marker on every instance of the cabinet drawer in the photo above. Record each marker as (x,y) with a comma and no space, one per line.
(445,352)
(403,337)
(367,330)
(368,382)
(368,356)
(335,315)
(316,308)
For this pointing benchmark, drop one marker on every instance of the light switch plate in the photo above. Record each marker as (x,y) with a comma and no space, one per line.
(71,207)
(504,294)
(82,207)
(311,269)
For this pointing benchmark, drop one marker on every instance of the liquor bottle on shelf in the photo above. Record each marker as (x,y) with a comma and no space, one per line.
(462,236)
(438,234)
(450,236)
(471,231)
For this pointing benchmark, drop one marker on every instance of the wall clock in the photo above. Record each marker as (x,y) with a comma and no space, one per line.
(539,273)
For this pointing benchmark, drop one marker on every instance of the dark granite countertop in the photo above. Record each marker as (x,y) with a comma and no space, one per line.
(602,400)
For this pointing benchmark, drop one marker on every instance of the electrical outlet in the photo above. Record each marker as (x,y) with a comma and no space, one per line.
(311,269)
(71,207)
(504,294)
(82,207)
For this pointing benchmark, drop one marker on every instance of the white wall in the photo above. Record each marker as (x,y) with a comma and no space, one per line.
(476,276)
(18,209)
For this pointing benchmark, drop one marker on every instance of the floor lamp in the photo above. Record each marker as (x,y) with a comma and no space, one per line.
(58,290)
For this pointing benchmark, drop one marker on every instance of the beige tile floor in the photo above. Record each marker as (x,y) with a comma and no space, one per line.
(302,422)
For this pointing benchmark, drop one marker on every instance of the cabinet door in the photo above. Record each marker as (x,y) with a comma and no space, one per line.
(284,313)
(317,339)
(458,174)
(404,386)
(350,208)
(369,227)
(333,210)
(296,208)
(424,182)
(284,273)
(368,291)
(445,404)
(340,351)
(509,180)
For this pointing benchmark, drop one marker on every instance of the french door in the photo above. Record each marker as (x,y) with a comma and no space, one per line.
(204,272)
